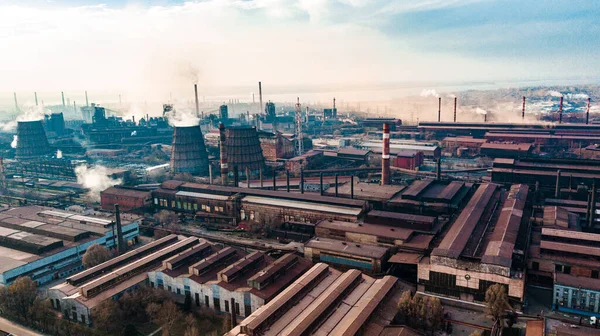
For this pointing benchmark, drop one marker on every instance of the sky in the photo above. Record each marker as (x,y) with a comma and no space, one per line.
(150,47)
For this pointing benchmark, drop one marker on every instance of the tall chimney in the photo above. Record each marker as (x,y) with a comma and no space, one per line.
(261,177)
(560,110)
(485,118)
(236,176)
(336,185)
(287,179)
(274,180)
(16,104)
(385,155)
(119,230)
(247,178)
(87,103)
(438,169)
(196,97)
(260,98)
(223,154)
(210,175)
(455,108)
(63,98)
(439,109)
(557,188)
(333,112)
(523,112)
(587,111)
(36,100)
(593,206)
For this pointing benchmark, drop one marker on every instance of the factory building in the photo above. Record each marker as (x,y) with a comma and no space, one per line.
(305,161)
(484,246)
(276,146)
(408,159)
(377,195)
(128,198)
(81,293)
(506,150)
(563,257)
(431,197)
(227,280)
(346,255)
(441,130)
(324,301)
(47,244)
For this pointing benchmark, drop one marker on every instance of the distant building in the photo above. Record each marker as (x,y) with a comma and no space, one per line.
(408,159)
(224,114)
(378,123)
(270,111)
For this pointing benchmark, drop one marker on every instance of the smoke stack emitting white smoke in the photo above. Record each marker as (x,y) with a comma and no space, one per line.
(555,93)
(480,111)
(96,179)
(429,92)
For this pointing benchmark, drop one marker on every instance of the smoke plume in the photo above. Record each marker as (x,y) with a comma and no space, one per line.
(576,96)
(95,179)
(13,144)
(480,111)
(450,95)
(429,92)
(182,117)
(555,93)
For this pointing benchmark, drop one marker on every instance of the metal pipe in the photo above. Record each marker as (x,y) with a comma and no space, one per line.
(261,177)
(336,185)
(587,111)
(439,109)
(352,186)
(455,98)
(287,177)
(321,183)
(302,180)
(385,156)
(274,180)
(210,175)
(523,112)
(557,188)
(560,111)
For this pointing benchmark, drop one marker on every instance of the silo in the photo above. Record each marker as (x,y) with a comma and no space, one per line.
(31,140)
(243,149)
(188,153)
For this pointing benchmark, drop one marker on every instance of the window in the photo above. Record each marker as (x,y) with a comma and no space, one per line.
(247,310)
(155,200)
(178,291)
(172,204)
(206,300)
(567,269)
(74,316)
(595,274)
(242,214)
(237,308)
(82,318)
(195,207)
(535,266)
(197,297)
(217,304)
(251,214)
(226,306)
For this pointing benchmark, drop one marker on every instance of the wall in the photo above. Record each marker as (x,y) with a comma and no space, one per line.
(274,215)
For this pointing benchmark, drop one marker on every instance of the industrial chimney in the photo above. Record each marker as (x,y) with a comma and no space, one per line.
(523,112)
(455,108)
(592,211)
(385,156)
(260,98)
(196,97)
(63,98)
(438,169)
(36,99)
(188,153)
(560,111)
(31,140)
(223,153)
(120,240)
(439,109)
(587,111)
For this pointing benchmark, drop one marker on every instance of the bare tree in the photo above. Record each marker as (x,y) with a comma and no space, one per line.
(17,299)
(496,301)
(166,217)
(166,315)
(95,255)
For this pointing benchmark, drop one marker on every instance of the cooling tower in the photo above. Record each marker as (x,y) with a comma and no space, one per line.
(188,153)
(243,149)
(31,140)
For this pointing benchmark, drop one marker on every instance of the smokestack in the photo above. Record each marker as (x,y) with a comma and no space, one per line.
(86,99)
(560,110)
(16,104)
(485,118)
(36,100)
(302,180)
(119,230)
(196,97)
(439,109)
(260,98)
(333,112)
(74,106)
(455,98)
(210,175)
(63,98)
(385,156)
(352,187)
(438,168)
(223,153)
(321,183)
(587,111)
(261,177)
(120,101)
(247,178)
(133,118)
(523,112)
(593,206)
(557,188)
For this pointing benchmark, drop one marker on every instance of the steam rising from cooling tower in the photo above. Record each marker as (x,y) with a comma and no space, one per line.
(188,153)
(31,140)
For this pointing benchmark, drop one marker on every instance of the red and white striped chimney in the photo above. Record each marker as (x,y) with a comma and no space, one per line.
(385,156)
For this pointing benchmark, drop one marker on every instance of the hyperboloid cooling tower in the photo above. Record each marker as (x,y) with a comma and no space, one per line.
(188,153)
(243,149)
(31,140)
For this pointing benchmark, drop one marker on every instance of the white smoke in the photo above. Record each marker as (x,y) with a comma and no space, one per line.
(183,117)
(134,133)
(480,111)
(450,95)
(13,144)
(429,92)
(29,113)
(58,154)
(576,96)
(9,126)
(95,179)
(555,93)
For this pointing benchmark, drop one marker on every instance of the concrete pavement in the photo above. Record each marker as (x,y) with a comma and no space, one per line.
(16,329)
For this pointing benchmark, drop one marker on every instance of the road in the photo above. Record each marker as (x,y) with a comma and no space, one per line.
(15,329)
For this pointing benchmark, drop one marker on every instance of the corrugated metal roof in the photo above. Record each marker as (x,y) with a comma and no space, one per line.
(338,246)
(302,205)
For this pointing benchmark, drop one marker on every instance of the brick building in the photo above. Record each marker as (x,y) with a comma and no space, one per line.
(408,160)
(128,198)
(276,146)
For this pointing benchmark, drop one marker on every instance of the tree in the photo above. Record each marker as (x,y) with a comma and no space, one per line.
(475,333)
(165,315)
(17,299)
(95,255)
(41,312)
(496,301)
(434,313)
(192,326)
(166,217)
